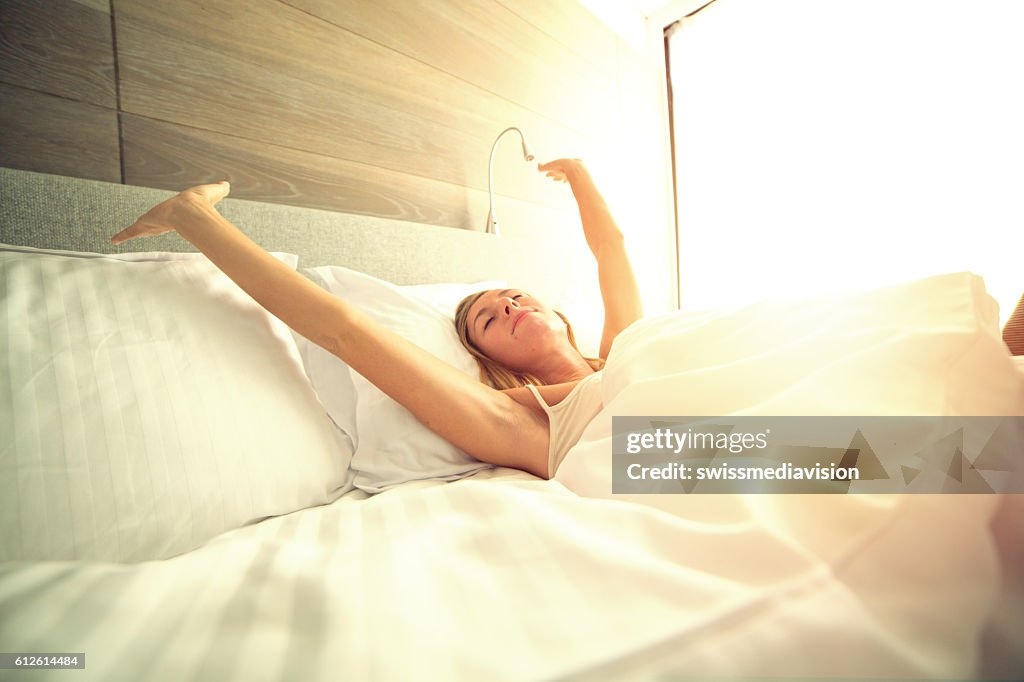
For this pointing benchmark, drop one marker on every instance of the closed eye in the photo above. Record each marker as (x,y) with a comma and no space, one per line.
(491,319)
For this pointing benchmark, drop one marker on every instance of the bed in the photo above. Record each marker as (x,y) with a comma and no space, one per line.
(189,491)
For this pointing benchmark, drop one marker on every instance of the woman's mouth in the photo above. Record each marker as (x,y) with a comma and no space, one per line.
(520,316)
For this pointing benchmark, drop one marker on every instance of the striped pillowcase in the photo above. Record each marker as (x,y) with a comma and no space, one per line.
(148,404)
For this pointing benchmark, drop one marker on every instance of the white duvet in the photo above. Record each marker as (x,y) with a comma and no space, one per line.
(901,582)
(928,347)
(505,576)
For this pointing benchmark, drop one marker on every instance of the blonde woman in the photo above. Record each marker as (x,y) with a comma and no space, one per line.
(542,390)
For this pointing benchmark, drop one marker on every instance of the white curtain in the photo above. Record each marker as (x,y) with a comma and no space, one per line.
(826,145)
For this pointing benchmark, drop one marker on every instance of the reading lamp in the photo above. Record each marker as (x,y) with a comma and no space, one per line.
(492,220)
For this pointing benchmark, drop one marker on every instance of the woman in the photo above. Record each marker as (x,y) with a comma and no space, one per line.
(510,332)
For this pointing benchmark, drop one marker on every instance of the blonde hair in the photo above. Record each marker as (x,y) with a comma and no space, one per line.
(494,373)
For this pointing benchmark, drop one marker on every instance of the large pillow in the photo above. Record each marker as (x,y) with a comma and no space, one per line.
(391,445)
(147,406)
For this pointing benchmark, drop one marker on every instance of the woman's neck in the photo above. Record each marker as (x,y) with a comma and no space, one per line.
(561,368)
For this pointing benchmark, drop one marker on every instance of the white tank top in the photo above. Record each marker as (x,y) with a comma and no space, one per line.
(570,417)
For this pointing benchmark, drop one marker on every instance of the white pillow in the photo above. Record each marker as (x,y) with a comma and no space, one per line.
(150,405)
(391,445)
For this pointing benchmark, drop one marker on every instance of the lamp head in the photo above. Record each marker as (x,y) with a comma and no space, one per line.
(526,152)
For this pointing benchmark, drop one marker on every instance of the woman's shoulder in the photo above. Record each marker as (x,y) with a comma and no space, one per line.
(550,394)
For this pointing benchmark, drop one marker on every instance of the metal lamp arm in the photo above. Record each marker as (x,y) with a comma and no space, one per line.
(492,219)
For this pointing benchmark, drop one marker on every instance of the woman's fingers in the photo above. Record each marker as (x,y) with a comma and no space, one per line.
(213,192)
(167,214)
(552,170)
(558,164)
(140,228)
(559,169)
(122,236)
(131,232)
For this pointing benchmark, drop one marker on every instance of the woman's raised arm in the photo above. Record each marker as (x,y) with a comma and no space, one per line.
(619,290)
(481,421)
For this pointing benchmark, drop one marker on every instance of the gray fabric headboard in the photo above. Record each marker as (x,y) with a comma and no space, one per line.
(56,212)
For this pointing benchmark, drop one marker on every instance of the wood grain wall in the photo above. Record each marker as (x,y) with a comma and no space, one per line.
(379,107)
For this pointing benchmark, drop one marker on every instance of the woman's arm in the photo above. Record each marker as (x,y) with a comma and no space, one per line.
(476,418)
(619,289)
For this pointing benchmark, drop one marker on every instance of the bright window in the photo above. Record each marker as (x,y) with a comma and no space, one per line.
(824,145)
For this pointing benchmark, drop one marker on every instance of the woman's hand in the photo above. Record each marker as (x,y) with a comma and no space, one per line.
(562,170)
(169,215)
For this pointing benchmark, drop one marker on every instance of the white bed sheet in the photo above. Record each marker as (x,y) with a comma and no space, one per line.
(505,576)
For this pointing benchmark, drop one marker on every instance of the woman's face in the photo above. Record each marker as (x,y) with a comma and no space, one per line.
(514,328)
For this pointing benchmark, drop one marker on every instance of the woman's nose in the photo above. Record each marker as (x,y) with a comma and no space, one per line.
(508,305)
